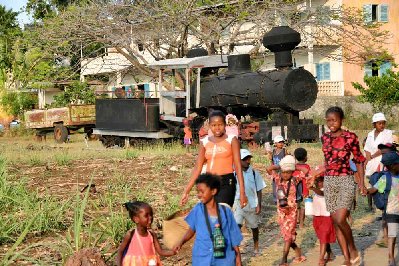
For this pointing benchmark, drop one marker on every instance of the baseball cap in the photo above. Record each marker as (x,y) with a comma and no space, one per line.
(244,153)
(390,158)
(379,117)
(387,146)
(278,139)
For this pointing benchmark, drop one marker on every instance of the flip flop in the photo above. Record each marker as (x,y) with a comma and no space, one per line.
(357,260)
(298,260)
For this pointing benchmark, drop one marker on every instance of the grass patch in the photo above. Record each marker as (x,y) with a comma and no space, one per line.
(63,159)
(18,206)
(131,154)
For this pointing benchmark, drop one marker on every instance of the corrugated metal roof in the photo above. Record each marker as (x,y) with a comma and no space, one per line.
(202,62)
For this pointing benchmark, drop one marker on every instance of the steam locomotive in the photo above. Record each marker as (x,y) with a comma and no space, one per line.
(270,101)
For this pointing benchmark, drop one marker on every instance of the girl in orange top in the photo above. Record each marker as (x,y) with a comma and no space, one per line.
(220,152)
(140,247)
(188,135)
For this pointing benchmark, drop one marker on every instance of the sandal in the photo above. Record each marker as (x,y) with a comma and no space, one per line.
(298,260)
(330,258)
(322,262)
(357,260)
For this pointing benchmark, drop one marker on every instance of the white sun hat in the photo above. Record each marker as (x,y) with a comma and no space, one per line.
(287,163)
(379,117)
(278,139)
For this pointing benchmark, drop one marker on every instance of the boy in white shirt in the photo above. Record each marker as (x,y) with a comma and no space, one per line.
(254,184)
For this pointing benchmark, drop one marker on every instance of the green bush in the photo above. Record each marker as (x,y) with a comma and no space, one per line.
(15,103)
(77,93)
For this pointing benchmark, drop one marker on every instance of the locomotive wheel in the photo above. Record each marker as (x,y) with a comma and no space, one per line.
(60,133)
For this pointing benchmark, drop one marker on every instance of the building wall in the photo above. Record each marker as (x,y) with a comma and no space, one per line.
(128,79)
(355,73)
(46,97)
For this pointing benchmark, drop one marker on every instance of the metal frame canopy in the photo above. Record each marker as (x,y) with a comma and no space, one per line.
(195,62)
(188,64)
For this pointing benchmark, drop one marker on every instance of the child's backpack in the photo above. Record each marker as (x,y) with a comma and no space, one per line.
(381,199)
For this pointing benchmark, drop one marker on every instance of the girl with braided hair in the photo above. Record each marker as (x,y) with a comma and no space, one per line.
(140,246)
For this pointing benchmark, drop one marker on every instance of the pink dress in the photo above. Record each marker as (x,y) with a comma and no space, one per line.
(141,251)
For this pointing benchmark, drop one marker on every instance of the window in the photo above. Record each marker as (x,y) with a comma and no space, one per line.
(372,69)
(324,14)
(375,13)
(323,71)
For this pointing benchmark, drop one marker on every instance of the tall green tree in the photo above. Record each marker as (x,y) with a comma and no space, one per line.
(382,92)
(9,31)
(41,9)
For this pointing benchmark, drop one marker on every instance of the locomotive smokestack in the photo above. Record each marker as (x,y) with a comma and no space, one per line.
(281,41)
(239,63)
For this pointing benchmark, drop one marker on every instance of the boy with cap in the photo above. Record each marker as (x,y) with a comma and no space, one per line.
(254,184)
(391,161)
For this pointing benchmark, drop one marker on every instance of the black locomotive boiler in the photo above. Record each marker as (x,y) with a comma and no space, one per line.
(270,100)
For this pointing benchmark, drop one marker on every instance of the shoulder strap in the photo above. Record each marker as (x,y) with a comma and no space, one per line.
(208,223)
(288,188)
(205,140)
(230,138)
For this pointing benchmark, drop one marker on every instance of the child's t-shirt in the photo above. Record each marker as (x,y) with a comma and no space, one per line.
(203,245)
(319,205)
(276,157)
(305,189)
(253,184)
(393,197)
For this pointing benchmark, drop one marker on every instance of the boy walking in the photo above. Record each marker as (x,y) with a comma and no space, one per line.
(391,161)
(301,156)
(254,184)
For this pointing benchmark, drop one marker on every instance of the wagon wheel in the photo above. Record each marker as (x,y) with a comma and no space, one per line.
(60,133)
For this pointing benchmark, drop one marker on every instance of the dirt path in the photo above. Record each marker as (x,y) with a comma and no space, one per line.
(365,232)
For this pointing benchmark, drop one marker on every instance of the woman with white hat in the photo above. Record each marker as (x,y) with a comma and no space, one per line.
(379,135)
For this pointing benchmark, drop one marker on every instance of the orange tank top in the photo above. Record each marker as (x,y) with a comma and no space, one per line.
(187,133)
(141,251)
(219,156)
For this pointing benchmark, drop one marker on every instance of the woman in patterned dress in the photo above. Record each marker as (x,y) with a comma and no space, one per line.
(339,184)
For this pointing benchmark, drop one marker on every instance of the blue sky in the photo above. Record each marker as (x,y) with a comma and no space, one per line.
(16,5)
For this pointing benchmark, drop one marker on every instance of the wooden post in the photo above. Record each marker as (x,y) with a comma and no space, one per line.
(197,99)
(159,90)
(187,90)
